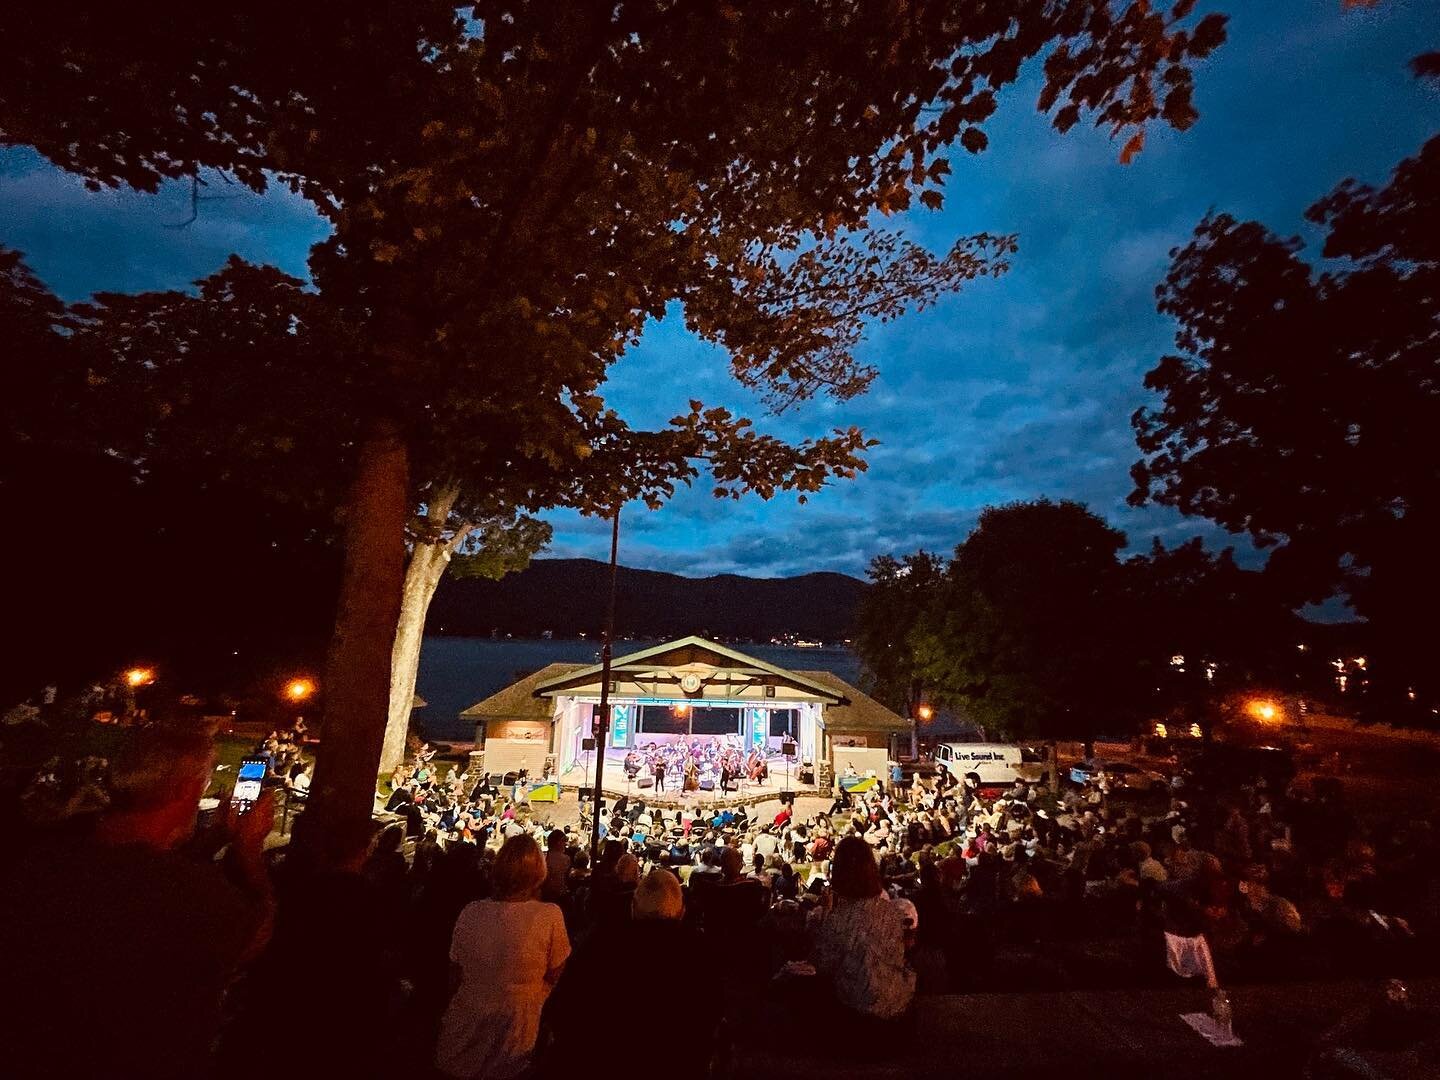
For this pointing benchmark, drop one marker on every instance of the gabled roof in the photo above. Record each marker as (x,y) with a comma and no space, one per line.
(518,701)
(857,711)
(689,650)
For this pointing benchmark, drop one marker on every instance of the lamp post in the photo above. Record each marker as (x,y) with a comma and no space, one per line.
(923,714)
(135,679)
(602,723)
(298,691)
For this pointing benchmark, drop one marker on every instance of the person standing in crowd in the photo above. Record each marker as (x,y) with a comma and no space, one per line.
(333,937)
(557,868)
(674,1033)
(509,952)
(121,943)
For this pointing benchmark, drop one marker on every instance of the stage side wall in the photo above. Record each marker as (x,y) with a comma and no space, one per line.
(511,755)
(864,759)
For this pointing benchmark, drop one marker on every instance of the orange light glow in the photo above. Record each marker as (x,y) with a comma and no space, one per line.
(1264,710)
(681,709)
(925,712)
(299,689)
(139,676)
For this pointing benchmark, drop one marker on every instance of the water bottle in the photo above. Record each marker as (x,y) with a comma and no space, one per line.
(1220,1010)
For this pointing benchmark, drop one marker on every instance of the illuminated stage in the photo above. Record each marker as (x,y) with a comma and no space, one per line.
(616,782)
(684,699)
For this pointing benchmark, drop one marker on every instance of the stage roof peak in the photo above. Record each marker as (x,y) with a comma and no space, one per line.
(665,663)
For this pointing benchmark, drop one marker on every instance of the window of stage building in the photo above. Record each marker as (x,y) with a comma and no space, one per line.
(703,720)
(662,720)
(708,721)
(784,722)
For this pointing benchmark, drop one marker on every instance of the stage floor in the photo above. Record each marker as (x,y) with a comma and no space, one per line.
(614,783)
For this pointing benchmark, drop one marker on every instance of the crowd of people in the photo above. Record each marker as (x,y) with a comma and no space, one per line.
(1279,884)
(470,928)
(286,765)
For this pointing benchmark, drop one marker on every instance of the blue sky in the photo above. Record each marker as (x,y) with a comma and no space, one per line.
(1015,388)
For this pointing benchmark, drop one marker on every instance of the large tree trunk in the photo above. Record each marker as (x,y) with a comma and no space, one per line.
(428,560)
(357,669)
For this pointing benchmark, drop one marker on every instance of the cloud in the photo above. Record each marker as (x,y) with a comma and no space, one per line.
(81,242)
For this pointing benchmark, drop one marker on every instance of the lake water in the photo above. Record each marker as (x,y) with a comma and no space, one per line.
(456,672)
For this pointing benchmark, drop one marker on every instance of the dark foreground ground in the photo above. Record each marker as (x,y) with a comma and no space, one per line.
(1132,1033)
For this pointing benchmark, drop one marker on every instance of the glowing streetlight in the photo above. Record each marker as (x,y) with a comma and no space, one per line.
(925,712)
(299,689)
(1264,710)
(139,676)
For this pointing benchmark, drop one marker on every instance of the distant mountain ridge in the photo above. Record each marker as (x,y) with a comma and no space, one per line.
(567,597)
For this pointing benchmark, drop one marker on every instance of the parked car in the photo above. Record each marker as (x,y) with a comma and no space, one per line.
(1120,775)
(1224,765)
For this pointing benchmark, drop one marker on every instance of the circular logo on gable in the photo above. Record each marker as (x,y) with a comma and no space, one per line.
(690,683)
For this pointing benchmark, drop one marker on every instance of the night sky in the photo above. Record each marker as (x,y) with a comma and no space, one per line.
(1016,388)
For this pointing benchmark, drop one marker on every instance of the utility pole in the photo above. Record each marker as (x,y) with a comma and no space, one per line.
(601,728)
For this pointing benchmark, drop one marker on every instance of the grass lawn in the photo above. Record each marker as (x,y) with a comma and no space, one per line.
(29,746)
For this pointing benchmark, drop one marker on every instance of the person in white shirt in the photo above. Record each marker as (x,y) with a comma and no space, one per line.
(510,952)
(299,782)
(767,843)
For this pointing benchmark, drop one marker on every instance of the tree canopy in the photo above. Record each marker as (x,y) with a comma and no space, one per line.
(515,189)
(1037,628)
(1032,631)
(1300,404)
(900,598)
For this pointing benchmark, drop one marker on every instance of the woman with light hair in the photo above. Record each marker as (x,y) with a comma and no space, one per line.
(508,953)
(658,896)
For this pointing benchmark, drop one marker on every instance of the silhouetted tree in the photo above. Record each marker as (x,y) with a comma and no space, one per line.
(116,555)
(901,595)
(1034,632)
(1209,630)
(1301,403)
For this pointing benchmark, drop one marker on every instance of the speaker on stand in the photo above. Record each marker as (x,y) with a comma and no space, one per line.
(787,748)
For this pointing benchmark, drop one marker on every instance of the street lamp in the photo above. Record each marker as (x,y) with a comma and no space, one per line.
(299,689)
(139,676)
(1264,710)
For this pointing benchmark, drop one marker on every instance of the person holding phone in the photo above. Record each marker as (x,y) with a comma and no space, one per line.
(135,918)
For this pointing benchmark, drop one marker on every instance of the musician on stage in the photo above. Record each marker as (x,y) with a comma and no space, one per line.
(659,773)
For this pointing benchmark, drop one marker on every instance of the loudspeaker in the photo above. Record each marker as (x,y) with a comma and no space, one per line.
(707,784)
(769,689)
(586,793)
(787,798)
(788,747)
(587,744)
(645,782)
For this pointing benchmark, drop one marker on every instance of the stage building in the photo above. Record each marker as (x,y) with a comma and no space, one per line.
(683,699)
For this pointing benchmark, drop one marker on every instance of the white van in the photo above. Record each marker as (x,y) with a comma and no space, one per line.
(996,763)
